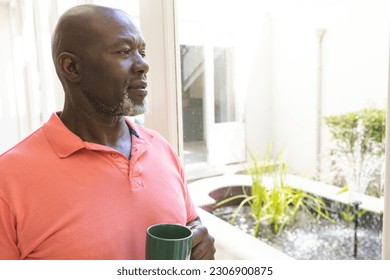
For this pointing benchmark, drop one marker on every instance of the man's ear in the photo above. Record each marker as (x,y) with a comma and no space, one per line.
(69,66)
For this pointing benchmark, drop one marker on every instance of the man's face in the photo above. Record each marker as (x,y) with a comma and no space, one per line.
(114,69)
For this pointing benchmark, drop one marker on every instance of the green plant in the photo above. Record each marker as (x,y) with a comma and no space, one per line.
(350,212)
(271,200)
(344,128)
(359,146)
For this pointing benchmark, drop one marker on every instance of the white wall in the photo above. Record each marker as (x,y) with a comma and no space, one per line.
(259,105)
(294,56)
(355,62)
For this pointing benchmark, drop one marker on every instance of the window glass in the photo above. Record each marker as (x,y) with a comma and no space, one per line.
(224,98)
(309,77)
(193,84)
(212,107)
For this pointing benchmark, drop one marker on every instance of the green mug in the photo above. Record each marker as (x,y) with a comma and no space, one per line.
(168,242)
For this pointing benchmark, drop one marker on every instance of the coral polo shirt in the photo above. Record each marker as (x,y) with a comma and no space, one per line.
(62,198)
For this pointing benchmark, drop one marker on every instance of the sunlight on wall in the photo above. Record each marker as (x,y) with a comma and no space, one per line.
(354,70)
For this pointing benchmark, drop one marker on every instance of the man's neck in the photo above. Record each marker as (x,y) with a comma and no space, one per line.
(113,132)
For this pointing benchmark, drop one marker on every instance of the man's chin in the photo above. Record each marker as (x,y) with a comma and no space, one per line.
(136,110)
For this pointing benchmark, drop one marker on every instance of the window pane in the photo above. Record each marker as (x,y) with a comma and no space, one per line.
(224,103)
(213,130)
(283,67)
(192,80)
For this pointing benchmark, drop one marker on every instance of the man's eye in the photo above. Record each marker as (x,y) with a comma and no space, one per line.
(125,51)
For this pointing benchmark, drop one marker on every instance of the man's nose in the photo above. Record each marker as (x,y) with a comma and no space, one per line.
(140,65)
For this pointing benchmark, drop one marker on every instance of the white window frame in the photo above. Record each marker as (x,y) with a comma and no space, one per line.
(386,206)
(158,23)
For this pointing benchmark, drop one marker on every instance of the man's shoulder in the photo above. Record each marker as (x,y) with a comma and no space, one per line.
(26,146)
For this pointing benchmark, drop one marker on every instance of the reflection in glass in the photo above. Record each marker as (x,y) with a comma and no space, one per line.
(224,101)
(193,90)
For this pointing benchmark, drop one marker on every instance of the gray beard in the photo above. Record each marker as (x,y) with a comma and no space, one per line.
(126,107)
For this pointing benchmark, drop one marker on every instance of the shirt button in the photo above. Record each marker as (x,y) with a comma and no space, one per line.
(114,155)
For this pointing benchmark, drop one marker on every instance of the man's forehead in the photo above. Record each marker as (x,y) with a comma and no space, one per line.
(117,28)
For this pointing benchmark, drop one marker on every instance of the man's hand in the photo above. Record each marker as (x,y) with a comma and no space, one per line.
(202,242)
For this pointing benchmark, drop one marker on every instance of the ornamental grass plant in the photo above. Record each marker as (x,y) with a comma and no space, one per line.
(272,202)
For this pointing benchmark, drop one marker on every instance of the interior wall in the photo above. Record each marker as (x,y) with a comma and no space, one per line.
(354,74)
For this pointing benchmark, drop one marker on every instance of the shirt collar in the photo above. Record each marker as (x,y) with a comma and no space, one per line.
(64,142)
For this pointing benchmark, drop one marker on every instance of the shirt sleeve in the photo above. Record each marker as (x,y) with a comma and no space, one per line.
(8,236)
(190,207)
(191,210)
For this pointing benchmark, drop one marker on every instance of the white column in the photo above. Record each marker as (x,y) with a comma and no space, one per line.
(386,208)
(157,19)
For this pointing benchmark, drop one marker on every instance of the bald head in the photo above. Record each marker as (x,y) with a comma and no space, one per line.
(81,27)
